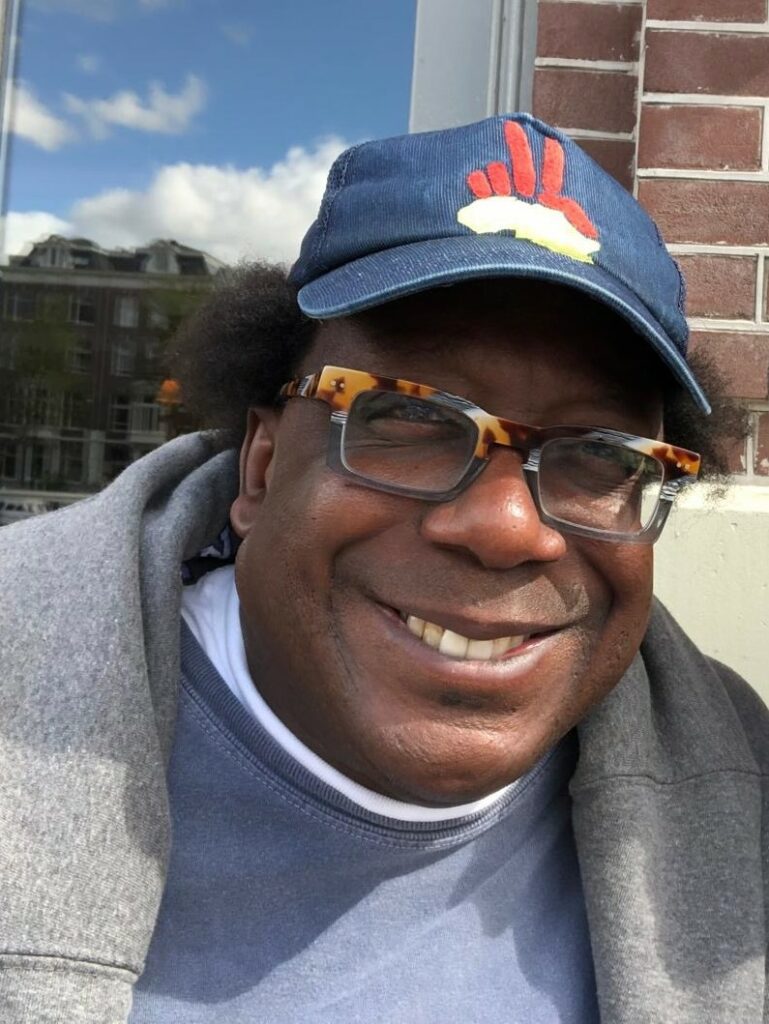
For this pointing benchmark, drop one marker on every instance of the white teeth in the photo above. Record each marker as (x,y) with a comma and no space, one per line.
(454,645)
(480,650)
(417,626)
(432,634)
(500,646)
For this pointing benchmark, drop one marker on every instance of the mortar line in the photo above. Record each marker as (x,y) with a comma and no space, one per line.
(735,28)
(579,64)
(639,96)
(722,326)
(703,175)
(704,99)
(713,249)
(588,133)
(765,138)
(760,287)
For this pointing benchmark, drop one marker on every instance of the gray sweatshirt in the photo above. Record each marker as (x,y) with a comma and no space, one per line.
(669,797)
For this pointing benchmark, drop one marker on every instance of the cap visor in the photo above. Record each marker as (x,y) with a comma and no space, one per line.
(394,273)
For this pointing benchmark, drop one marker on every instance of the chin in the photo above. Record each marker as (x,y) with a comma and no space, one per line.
(453,764)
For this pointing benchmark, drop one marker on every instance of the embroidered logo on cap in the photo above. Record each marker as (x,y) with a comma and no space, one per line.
(552,219)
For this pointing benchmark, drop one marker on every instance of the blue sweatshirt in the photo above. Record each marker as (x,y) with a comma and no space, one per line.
(286,902)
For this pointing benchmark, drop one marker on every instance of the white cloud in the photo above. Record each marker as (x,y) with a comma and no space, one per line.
(228,212)
(96,10)
(88,63)
(253,213)
(32,120)
(19,229)
(237,33)
(163,112)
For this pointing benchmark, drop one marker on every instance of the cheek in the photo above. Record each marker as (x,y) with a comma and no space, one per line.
(626,572)
(308,517)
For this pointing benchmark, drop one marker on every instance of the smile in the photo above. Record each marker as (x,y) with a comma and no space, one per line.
(462,648)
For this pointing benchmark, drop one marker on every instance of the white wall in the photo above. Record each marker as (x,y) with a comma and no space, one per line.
(712,572)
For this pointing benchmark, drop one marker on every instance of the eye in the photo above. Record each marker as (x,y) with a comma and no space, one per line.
(407,419)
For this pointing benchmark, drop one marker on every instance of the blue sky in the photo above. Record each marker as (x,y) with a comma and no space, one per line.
(184,102)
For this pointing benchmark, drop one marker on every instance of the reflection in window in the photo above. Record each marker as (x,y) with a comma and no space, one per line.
(123,357)
(75,411)
(119,413)
(126,311)
(21,305)
(71,461)
(82,309)
(81,355)
(9,460)
(146,415)
(39,460)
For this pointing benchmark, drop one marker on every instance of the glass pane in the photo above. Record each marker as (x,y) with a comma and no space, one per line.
(599,484)
(409,442)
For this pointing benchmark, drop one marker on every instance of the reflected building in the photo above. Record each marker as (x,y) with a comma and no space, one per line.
(83,333)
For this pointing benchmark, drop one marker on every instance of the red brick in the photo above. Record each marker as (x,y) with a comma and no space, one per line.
(589,31)
(594,100)
(728,212)
(720,286)
(707,62)
(761,462)
(766,291)
(742,358)
(707,10)
(708,138)
(614,155)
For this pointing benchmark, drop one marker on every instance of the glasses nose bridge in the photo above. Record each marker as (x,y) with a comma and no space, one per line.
(496,431)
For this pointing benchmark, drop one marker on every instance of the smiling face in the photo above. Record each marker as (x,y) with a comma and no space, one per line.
(330,571)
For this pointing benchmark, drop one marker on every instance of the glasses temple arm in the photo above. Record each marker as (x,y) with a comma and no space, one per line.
(302,387)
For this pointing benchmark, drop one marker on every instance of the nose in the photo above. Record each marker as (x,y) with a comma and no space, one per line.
(495,519)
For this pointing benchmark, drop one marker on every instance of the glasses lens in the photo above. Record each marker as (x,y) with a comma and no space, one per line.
(416,444)
(599,484)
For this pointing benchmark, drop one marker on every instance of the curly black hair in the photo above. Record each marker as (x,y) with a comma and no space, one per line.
(249,336)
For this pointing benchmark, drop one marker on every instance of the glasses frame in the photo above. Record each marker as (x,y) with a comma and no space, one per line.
(338,387)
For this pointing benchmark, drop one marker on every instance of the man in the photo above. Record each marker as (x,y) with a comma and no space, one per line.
(436,754)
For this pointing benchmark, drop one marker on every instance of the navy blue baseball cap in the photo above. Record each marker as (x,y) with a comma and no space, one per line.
(507,196)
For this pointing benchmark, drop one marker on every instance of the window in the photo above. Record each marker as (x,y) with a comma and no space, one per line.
(145,417)
(75,411)
(123,357)
(9,460)
(38,460)
(55,256)
(21,305)
(31,405)
(82,309)
(71,461)
(119,413)
(126,311)
(81,356)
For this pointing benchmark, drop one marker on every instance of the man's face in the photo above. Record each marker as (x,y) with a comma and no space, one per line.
(328,568)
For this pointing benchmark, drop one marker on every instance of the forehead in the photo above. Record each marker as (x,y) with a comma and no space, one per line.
(517,347)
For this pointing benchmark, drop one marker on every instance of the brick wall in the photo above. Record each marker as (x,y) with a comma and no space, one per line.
(672,97)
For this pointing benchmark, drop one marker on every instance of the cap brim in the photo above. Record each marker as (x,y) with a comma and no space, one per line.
(394,273)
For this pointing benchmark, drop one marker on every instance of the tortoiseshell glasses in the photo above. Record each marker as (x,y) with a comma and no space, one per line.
(411,439)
